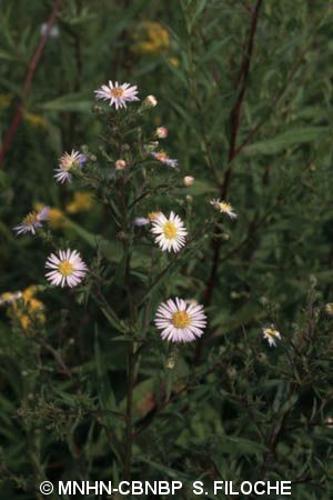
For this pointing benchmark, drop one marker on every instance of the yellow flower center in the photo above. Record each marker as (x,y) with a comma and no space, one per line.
(271,333)
(65,268)
(25,321)
(153,215)
(170,230)
(117,92)
(31,218)
(7,297)
(161,156)
(180,319)
(225,207)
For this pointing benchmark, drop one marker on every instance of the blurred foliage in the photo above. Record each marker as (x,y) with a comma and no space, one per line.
(229,407)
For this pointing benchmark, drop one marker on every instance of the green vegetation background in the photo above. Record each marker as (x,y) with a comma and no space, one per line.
(239,409)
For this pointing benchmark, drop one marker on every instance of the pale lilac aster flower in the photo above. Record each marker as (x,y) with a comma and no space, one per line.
(271,334)
(117,93)
(170,232)
(68,162)
(67,268)
(224,207)
(164,158)
(33,221)
(141,221)
(180,321)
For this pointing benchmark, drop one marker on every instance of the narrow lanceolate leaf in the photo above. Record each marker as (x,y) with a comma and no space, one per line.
(69,102)
(286,140)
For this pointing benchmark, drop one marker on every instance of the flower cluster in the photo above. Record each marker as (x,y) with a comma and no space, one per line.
(178,320)
(150,38)
(24,308)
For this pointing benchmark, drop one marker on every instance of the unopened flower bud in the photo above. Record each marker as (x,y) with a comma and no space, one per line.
(122,236)
(151,146)
(120,164)
(153,216)
(192,302)
(232,372)
(161,132)
(97,109)
(329,308)
(329,422)
(150,101)
(188,180)
(170,362)
(46,31)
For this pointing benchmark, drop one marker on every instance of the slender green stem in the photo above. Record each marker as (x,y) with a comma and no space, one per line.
(129,412)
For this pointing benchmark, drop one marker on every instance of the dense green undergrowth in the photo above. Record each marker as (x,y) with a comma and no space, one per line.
(89,390)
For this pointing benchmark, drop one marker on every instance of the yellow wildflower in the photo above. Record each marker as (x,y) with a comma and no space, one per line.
(24,307)
(174,61)
(56,217)
(7,298)
(81,202)
(25,321)
(35,120)
(151,38)
(5,100)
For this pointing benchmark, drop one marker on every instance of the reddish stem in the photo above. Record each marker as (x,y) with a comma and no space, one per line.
(235,116)
(32,67)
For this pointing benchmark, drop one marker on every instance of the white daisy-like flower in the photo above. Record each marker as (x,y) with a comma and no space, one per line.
(67,268)
(180,321)
(271,334)
(117,93)
(164,158)
(224,207)
(33,221)
(68,162)
(171,232)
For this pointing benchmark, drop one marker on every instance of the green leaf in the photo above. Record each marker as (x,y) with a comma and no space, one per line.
(285,140)
(112,251)
(69,102)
